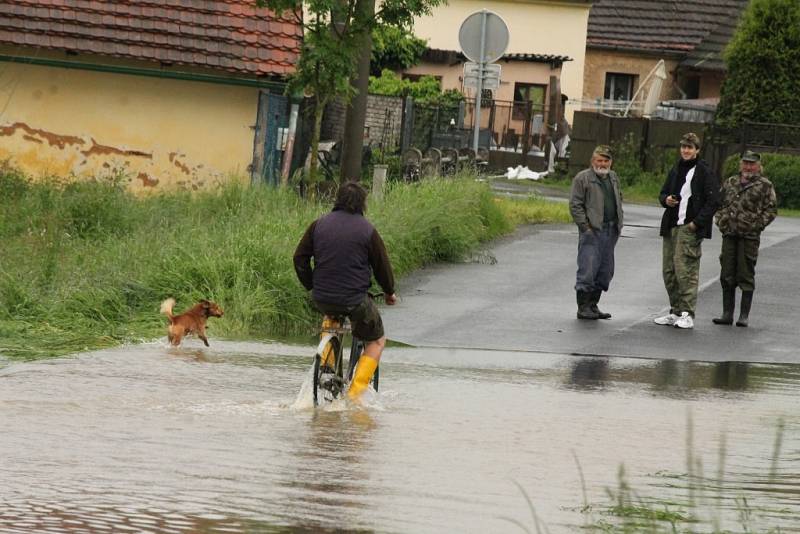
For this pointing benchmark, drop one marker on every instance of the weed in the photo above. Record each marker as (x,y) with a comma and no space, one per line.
(85,265)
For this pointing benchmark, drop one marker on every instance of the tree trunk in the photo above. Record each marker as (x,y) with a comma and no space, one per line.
(354,126)
(319,110)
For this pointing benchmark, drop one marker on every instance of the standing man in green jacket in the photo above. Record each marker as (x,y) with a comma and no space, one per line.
(596,206)
(749,205)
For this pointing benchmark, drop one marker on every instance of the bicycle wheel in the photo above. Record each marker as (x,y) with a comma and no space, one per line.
(356,349)
(328,382)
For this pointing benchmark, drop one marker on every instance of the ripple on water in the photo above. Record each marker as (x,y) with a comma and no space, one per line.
(149,438)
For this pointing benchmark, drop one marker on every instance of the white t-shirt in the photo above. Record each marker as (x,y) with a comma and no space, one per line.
(686,192)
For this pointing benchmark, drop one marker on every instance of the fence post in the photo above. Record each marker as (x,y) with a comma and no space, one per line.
(526,130)
(407,124)
(744,138)
(378,181)
(462,111)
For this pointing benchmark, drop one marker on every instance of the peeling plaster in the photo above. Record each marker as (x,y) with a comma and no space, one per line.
(41,152)
(60,141)
(97,148)
(147,180)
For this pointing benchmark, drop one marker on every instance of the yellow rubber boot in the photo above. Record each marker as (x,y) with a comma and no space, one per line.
(364,371)
(327,357)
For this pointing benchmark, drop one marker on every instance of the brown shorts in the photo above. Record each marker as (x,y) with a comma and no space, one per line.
(364,317)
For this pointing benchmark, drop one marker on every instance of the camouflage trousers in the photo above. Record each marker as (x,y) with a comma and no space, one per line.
(738,262)
(681,252)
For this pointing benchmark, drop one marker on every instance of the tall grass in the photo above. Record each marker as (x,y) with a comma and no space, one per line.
(86,265)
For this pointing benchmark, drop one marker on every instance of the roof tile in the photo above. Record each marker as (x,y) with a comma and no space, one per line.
(232,35)
(667,26)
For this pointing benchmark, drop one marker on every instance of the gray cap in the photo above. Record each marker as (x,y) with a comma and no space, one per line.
(602,150)
(753,157)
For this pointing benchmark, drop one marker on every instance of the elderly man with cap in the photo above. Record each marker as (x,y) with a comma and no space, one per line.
(748,206)
(596,207)
(690,196)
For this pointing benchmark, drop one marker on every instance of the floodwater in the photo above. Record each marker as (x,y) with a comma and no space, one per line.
(152,439)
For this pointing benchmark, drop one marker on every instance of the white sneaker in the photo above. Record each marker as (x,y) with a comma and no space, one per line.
(684,321)
(668,320)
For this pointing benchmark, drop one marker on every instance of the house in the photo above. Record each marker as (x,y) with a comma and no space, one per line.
(544,57)
(171,93)
(626,38)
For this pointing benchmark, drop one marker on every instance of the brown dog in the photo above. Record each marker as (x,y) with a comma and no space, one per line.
(192,320)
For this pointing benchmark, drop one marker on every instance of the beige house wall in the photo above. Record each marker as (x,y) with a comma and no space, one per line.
(535,27)
(711,86)
(511,72)
(162,133)
(599,62)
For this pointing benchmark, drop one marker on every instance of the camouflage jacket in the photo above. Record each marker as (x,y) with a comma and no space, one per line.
(746,209)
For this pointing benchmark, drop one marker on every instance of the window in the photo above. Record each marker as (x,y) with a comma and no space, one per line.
(619,86)
(528,92)
(487,98)
(692,87)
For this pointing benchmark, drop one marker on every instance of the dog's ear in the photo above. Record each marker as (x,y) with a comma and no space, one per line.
(205,303)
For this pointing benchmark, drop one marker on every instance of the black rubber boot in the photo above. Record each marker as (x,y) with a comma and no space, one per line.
(594,299)
(585,306)
(728,303)
(744,312)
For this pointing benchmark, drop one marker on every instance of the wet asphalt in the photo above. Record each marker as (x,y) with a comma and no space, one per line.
(518,294)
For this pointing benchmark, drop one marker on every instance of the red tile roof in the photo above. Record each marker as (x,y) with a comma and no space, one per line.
(229,35)
(671,26)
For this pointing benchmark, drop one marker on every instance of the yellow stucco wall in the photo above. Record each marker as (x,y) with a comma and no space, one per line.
(161,133)
(535,27)
(599,62)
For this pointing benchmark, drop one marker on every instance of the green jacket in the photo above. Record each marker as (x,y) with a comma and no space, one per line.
(586,199)
(746,209)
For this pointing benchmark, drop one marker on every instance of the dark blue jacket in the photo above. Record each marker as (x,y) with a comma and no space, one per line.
(347,250)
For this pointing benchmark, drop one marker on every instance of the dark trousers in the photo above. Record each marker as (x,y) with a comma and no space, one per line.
(738,262)
(596,258)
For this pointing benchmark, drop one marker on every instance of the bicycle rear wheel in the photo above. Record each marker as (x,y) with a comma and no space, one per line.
(328,381)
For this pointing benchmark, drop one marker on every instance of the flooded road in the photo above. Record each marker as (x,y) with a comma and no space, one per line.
(152,439)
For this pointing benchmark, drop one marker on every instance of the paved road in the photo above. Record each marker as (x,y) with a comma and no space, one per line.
(526,302)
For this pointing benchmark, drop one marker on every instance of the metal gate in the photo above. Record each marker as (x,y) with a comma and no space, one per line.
(270,138)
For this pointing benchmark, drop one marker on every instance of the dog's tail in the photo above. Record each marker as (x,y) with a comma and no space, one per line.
(166,307)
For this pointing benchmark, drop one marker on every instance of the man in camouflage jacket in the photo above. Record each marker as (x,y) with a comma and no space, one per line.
(748,206)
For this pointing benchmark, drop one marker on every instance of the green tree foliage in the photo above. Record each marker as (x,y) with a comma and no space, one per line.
(763,62)
(395,48)
(426,90)
(334,33)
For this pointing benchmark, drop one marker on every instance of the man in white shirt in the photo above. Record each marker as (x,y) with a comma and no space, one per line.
(690,196)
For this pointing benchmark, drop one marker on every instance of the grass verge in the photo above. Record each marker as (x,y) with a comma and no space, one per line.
(86,265)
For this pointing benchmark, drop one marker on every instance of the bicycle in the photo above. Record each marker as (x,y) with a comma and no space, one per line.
(329,376)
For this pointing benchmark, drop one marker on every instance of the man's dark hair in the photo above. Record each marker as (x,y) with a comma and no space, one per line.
(351,197)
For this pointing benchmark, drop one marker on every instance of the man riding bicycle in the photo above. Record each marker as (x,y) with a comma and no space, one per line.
(347,250)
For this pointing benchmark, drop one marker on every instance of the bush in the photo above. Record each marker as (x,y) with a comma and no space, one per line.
(783,170)
(763,61)
(427,90)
